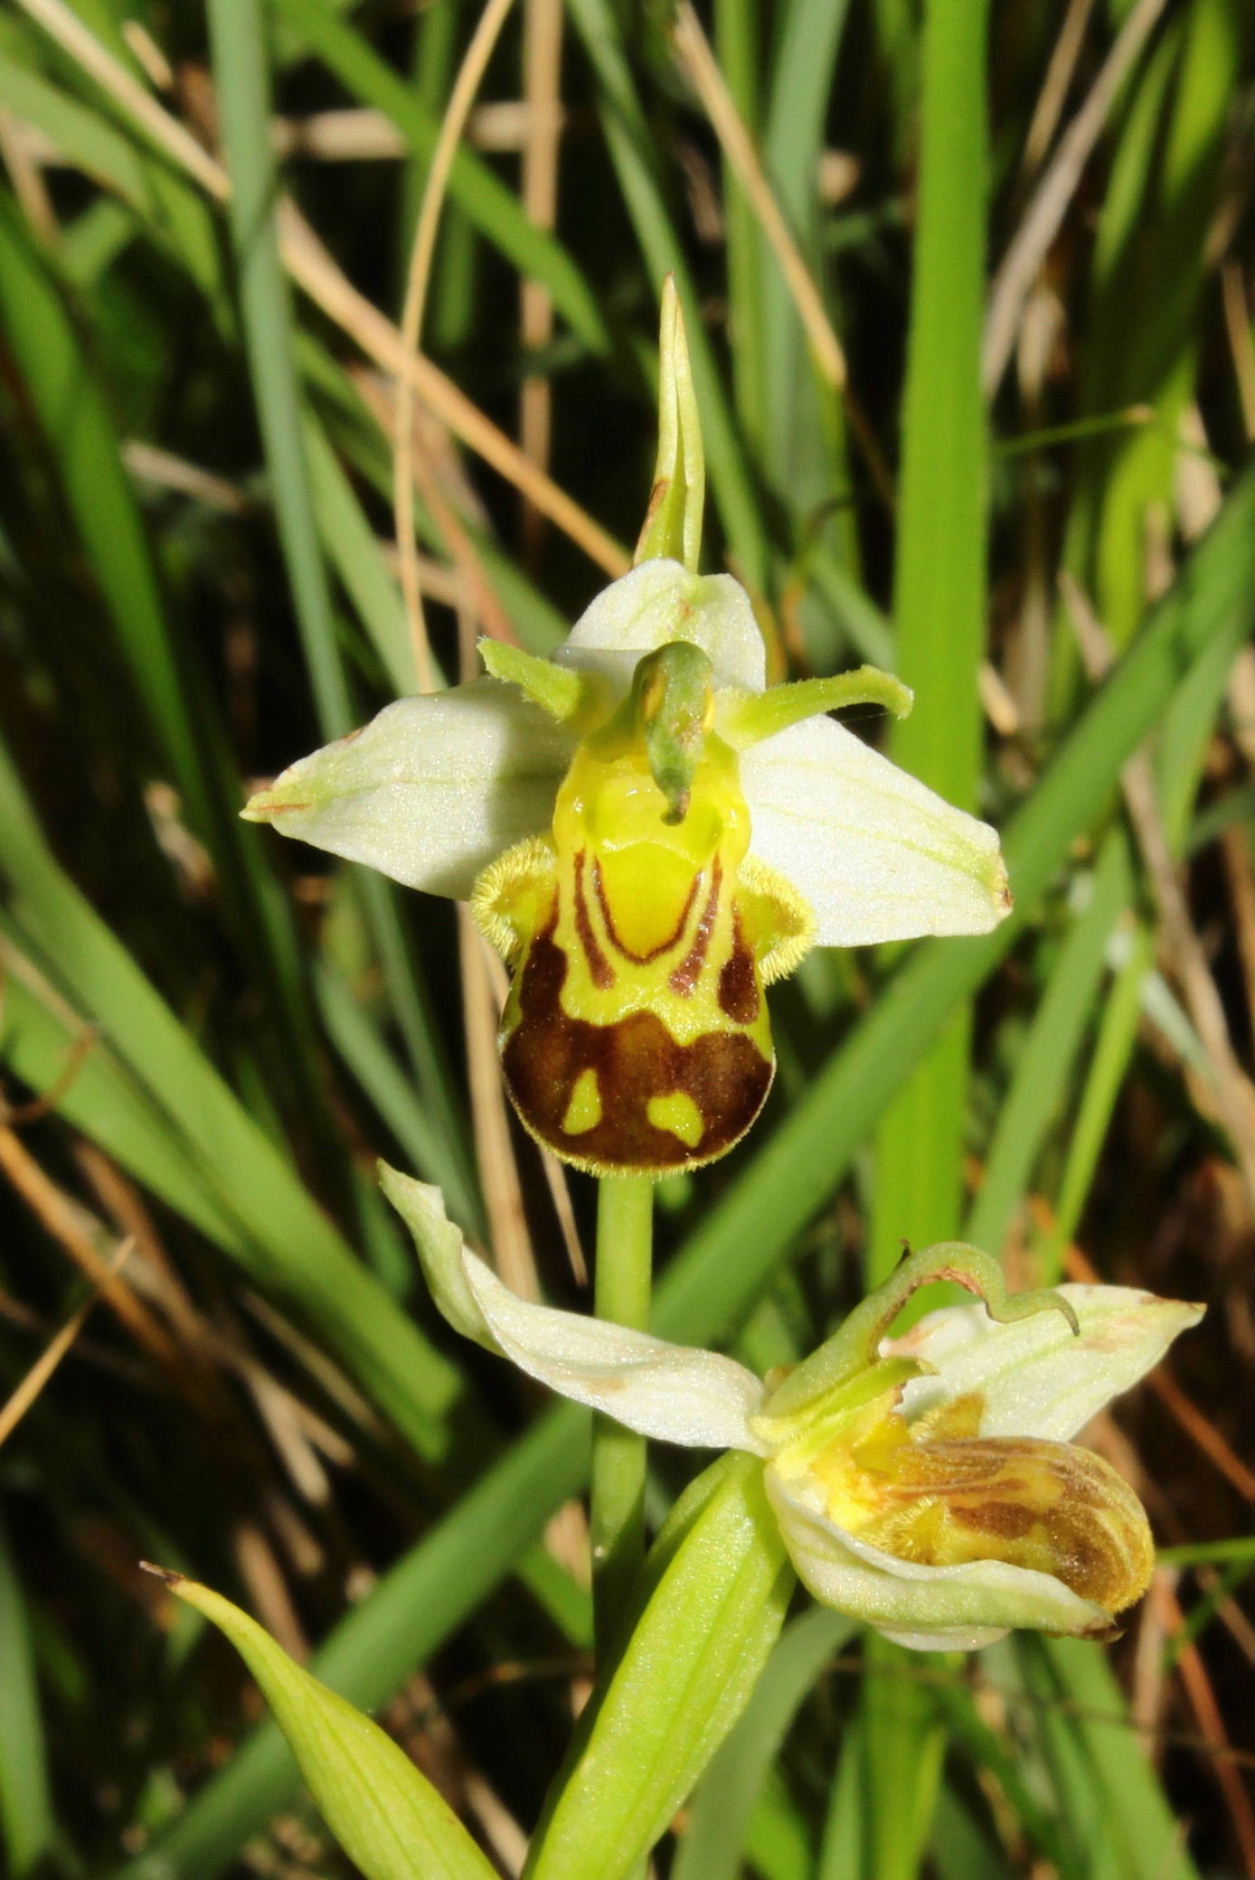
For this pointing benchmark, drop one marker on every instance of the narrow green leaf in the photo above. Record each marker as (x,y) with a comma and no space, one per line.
(685,1675)
(238,38)
(1112,1797)
(1046,1059)
(939,584)
(385,1814)
(26,1819)
(416,1606)
(714,1841)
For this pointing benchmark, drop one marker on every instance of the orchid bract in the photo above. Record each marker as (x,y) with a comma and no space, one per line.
(650,837)
(927,1484)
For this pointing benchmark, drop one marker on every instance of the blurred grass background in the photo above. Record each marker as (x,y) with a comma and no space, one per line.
(969,293)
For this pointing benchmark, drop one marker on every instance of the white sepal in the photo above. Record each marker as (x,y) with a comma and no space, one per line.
(929,1608)
(661,601)
(877,854)
(1034,1374)
(672,1392)
(441,1251)
(430,791)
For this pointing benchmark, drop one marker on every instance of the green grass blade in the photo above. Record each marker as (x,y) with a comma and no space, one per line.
(714,1841)
(82,439)
(793,141)
(26,1818)
(238,40)
(356,553)
(1045,1061)
(1113,1797)
(939,581)
(1117,1034)
(737,49)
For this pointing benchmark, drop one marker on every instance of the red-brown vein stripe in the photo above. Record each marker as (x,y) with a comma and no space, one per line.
(686,974)
(599,967)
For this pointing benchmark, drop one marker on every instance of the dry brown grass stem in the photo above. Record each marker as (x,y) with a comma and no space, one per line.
(1044,215)
(702,70)
(542,76)
(694,52)
(63,24)
(313,270)
(72,1227)
(1238,330)
(494,1149)
(418,278)
(1056,84)
(19,152)
(28,1390)
(1202,1698)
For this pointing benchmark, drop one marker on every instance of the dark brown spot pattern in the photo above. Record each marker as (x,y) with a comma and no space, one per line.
(635,1059)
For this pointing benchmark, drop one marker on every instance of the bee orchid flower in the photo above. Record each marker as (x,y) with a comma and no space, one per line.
(925,1484)
(651,836)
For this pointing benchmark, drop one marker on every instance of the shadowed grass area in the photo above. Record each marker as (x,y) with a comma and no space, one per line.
(1042,517)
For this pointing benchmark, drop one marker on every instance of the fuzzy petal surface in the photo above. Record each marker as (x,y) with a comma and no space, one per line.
(877,854)
(1036,1377)
(661,601)
(672,1392)
(430,791)
(929,1608)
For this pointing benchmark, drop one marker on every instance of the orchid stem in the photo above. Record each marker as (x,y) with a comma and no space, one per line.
(625,1212)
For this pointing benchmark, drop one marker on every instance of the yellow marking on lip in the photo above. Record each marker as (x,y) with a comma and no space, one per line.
(678,1114)
(583,1112)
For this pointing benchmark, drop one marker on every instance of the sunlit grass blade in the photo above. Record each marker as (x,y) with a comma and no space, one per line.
(1111,1799)
(939,578)
(1045,1061)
